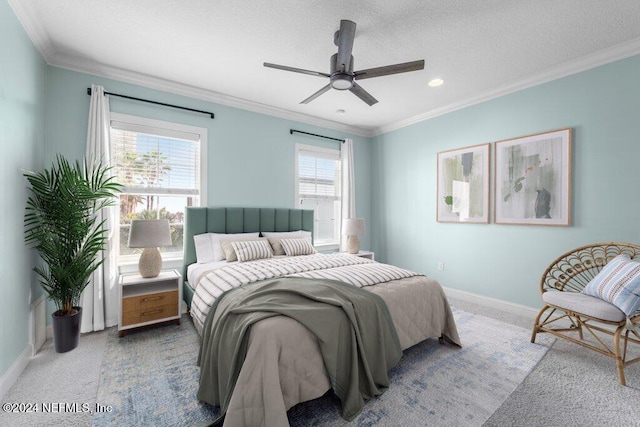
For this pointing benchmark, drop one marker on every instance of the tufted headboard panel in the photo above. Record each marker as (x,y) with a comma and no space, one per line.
(239,220)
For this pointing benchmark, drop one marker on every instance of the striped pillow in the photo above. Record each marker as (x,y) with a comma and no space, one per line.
(618,283)
(229,252)
(275,237)
(299,246)
(249,250)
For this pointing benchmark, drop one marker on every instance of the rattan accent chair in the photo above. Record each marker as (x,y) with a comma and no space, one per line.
(569,312)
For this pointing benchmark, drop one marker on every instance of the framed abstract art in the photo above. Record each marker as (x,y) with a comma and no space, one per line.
(463,185)
(533,179)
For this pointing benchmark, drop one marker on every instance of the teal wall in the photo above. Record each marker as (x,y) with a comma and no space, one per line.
(22,100)
(602,106)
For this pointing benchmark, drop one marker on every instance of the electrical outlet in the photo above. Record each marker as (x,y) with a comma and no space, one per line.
(441,266)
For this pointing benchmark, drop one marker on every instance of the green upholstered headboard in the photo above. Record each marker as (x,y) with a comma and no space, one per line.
(239,220)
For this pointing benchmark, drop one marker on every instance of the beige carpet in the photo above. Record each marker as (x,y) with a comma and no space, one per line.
(64,378)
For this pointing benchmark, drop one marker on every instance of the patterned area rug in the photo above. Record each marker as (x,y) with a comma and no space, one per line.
(151,378)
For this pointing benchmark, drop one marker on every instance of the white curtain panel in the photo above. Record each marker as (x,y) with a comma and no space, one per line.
(99,301)
(348,186)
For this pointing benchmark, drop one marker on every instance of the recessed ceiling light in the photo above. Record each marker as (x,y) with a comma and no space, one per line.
(340,111)
(436,82)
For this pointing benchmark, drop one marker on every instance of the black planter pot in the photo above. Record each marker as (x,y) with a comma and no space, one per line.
(66,331)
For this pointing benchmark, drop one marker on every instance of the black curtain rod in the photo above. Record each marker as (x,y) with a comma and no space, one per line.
(291,131)
(154,102)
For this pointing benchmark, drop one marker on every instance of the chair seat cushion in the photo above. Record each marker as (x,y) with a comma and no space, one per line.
(585,304)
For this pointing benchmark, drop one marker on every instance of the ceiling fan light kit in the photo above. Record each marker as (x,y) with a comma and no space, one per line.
(339,79)
(342,76)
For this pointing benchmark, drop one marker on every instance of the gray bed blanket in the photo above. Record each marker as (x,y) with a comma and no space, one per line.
(357,339)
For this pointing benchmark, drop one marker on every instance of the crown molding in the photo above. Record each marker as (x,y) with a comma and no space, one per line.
(90,67)
(29,19)
(32,25)
(601,57)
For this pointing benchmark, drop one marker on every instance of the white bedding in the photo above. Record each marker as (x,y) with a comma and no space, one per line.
(284,366)
(345,268)
(195,270)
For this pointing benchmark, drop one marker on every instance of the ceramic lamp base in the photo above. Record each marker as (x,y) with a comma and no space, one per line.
(150,263)
(353,244)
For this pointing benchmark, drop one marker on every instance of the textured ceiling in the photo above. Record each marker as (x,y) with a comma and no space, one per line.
(216,49)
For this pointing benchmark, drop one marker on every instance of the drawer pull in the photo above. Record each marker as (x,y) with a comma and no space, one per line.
(159,297)
(148,313)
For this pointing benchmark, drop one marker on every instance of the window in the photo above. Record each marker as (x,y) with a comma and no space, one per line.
(161,166)
(318,188)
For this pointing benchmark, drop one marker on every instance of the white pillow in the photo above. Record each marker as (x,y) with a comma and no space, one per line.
(275,237)
(249,250)
(298,246)
(204,249)
(209,248)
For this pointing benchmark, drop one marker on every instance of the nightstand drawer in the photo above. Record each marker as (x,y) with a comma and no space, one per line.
(142,302)
(148,300)
(149,314)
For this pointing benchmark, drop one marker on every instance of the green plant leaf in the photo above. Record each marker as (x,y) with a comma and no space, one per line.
(61,224)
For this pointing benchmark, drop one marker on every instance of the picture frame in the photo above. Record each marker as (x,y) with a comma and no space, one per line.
(463,185)
(533,179)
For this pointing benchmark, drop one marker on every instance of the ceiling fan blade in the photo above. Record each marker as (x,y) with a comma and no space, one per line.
(389,69)
(363,94)
(344,41)
(317,94)
(295,70)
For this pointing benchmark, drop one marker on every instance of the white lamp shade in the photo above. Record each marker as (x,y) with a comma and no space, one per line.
(149,233)
(353,226)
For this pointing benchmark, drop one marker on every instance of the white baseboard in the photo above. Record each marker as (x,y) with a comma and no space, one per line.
(38,324)
(509,307)
(38,333)
(11,376)
(49,331)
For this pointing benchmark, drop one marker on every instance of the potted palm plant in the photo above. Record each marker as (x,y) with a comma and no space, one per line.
(61,224)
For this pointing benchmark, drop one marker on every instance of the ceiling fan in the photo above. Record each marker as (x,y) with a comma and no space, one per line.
(342,76)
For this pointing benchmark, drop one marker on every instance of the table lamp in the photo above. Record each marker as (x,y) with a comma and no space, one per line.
(352,228)
(149,234)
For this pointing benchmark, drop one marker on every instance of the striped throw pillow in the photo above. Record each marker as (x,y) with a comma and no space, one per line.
(229,252)
(299,246)
(249,250)
(618,283)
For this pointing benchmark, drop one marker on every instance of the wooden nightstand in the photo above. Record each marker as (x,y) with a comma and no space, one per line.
(366,254)
(148,301)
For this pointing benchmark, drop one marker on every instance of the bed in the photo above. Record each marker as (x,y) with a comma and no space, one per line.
(283,364)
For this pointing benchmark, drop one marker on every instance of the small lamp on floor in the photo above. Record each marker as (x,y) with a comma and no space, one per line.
(149,234)
(352,228)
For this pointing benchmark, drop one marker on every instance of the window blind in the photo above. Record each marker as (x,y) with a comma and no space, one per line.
(318,188)
(148,160)
(318,175)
